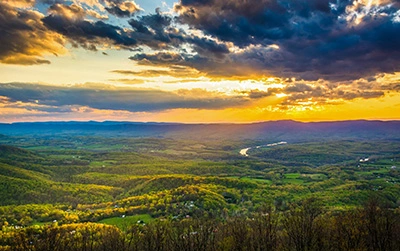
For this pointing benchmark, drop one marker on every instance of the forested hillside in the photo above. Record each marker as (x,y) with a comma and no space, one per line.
(164,193)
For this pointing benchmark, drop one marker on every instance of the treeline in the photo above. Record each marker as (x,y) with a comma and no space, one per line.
(303,227)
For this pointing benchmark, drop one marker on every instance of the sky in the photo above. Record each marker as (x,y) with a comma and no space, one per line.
(199,61)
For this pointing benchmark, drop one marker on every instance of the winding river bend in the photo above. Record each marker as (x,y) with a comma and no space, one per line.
(244,150)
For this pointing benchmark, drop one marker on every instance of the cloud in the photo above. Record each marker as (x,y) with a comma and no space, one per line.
(241,22)
(299,87)
(159,58)
(20,3)
(24,39)
(157,31)
(129,81)
(316,93)
(331,40)
(171,71)
(72,11)
(256,94)
(180,81)
(320,93)
(97,15)
(122,8)
(87,34)
(151,30)
(245,64)
(113,98)
(319,39)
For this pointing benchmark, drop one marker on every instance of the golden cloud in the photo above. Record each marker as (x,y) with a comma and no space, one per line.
(25,39)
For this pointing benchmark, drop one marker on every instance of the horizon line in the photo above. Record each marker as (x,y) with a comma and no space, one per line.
(202,123)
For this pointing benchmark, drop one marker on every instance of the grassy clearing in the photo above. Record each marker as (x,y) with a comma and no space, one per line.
(261,180)
(124,222)
(292,175)
(37,223)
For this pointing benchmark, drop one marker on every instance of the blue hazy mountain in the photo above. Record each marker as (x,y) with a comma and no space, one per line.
(274,130)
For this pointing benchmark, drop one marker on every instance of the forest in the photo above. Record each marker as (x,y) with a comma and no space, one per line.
(111,191)
(304,227)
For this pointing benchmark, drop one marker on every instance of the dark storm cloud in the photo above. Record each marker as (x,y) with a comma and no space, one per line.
(157,31)
(116,11)
(207,47)
(306,39)
(316,38)
(105,97)
(156,21)
(87,33)
(151,30)
(236,21)
(257,22)
(160,58)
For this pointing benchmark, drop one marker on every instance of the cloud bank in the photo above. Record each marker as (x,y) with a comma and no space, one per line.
(309,39)
(107,97)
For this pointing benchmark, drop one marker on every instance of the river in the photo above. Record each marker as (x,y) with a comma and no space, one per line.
(244,150)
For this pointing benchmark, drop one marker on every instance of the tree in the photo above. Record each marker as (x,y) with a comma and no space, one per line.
(302,226)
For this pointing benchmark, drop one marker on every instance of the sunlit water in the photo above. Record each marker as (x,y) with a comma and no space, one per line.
(244,150)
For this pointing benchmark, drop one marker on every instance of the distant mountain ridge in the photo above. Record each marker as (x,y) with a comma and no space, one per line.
(272,130)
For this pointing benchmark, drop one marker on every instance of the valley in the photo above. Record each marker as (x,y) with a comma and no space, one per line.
(54,180)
